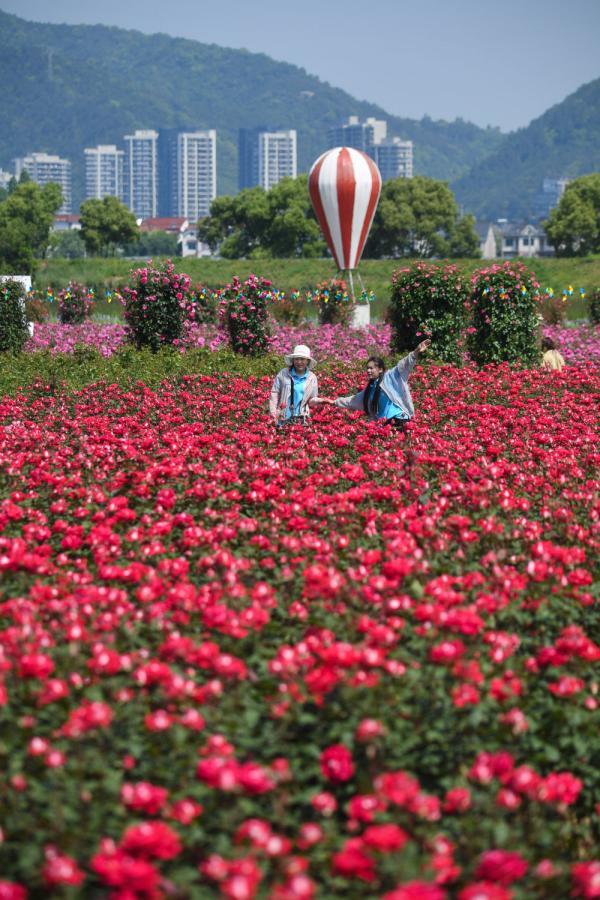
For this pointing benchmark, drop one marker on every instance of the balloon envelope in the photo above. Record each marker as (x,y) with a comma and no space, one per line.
(344,186)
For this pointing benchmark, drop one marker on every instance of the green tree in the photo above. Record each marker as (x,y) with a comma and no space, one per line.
(25,220)
(66,245)
(573,227)
(152,244)
(105,225)
(258,223)
(419,217)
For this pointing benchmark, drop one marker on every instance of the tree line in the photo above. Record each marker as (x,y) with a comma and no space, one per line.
(416,217)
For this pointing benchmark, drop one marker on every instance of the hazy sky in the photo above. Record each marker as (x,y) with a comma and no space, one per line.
(492,62)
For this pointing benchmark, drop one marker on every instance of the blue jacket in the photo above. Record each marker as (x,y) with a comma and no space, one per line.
(394,385)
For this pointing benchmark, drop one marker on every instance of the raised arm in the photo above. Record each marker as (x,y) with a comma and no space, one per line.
(408,362)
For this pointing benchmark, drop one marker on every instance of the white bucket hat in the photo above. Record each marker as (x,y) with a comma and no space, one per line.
(300,350)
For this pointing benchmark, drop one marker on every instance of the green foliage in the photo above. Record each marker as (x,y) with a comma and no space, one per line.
(505,322)
(594,307)
(66,245)
(52,373)
(151,244)
(13,324)
(106,224)
(155,306)
(429,299)
(563,141)
(25,220)
(258,223)
(419,217)
(75,304)
(573,227)
(244,312)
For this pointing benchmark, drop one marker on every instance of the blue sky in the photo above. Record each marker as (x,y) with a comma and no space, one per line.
(492,62)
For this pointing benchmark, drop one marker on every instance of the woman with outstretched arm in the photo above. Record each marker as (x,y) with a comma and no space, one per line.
(386,397)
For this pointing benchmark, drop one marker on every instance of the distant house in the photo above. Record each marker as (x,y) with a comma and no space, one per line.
(187,239)
(524,240)
(488,244)
(66,222)
(504,240)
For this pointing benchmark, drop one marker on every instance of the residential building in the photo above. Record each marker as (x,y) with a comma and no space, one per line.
(141,173)
(196,173)
(186,231)
(360,135)
(489,240)
(44,168)
(66,222)
(525,240)
(277,157)
(5,178)
(248,156)
(265,156)
(549,196)
(394,158)
(104,172)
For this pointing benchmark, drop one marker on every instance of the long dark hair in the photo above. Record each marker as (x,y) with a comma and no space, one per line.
(371,407)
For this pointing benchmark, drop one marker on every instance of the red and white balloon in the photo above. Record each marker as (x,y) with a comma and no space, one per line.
(344,186)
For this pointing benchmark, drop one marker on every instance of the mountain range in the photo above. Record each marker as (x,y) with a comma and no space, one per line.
(66,87)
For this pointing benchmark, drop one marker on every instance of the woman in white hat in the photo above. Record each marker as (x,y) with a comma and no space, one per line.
(294,387)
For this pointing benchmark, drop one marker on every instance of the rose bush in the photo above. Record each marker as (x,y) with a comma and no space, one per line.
(329,662)
(156,306)
(505,316)
(75,304)
(243,313)
(429,300)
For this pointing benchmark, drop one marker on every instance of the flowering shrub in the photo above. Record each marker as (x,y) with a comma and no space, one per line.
(333,302)
(13,324)
(75,304)
(243,312)
(505,319)
(429,300)
(155,304)
(357,664)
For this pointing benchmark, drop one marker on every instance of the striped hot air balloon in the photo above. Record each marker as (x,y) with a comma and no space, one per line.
(344,186)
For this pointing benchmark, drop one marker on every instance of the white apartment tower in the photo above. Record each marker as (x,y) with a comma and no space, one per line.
(196,173)
(104,172)
(394,158)
(277,157)
(45,169)
(141,173)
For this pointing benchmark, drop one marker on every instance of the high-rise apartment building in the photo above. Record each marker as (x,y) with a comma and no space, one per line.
(266,156)
(394,157)
(196,173)
(360,135)
(141,173)
(104,172)
(277,157)
(187,169)
(44,168)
